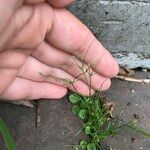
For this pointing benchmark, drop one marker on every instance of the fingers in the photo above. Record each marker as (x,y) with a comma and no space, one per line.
(22,89)
(30,25)
(65,61)
(36,71)
(10,62)
(73,37)
(6,78)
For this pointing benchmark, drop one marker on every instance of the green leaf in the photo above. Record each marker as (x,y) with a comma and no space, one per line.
(88,130)
(82,114)
(75,109)
(74,98)
(86,99)
(6,135)
(83,144)
(91,146)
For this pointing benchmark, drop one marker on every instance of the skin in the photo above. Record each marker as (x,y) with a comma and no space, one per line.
(41,42)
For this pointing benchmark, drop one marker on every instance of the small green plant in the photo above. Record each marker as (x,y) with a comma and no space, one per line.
(96,117)
(6,136)
(97,121)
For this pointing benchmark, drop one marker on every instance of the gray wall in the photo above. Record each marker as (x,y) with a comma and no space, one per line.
(122,26)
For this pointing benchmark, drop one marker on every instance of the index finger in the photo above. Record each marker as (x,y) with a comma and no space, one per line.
(70,35)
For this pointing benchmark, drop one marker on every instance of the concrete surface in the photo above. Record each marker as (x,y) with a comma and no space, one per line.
(59,125)
(123,27)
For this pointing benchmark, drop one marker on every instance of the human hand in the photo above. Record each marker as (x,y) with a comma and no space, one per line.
(38,37)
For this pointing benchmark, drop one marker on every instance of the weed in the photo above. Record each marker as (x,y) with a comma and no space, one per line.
(97,123)
(97,119)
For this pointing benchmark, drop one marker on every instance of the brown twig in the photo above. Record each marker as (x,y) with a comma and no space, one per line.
(125,78)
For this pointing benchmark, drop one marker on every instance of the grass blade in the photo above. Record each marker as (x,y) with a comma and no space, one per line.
(138,130)
(6,135)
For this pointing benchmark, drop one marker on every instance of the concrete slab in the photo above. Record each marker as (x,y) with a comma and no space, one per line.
(123,27)
(59,125)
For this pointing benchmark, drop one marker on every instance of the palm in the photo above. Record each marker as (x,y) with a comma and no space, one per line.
(35,39)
